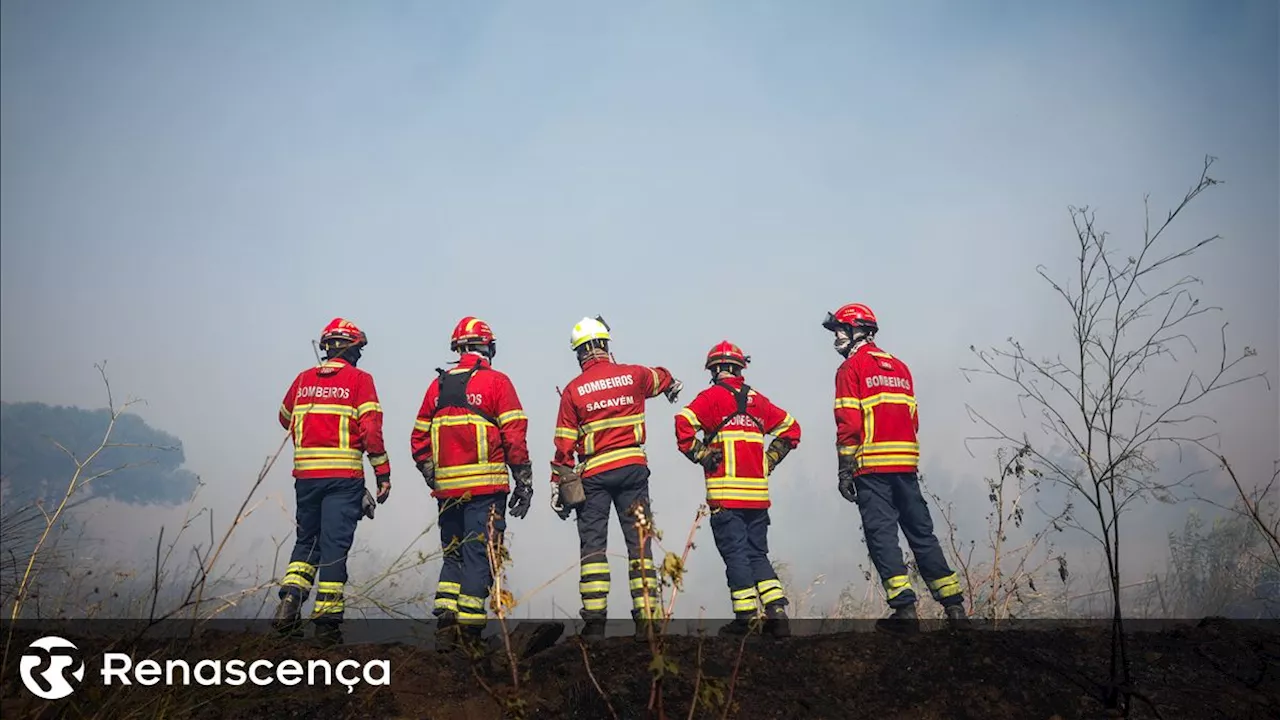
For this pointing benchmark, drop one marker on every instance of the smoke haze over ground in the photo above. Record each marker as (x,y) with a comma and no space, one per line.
(191,193)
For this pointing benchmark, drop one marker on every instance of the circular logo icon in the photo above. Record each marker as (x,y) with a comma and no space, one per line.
(52,668)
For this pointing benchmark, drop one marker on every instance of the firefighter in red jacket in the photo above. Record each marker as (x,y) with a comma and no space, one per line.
(734,419)
(877,422)
(601,420)
(470,429)
(334,415)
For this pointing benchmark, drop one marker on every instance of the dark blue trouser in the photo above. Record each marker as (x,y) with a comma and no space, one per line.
(619,488)
(742,537)
(328,510)
(887,501)
(465,576)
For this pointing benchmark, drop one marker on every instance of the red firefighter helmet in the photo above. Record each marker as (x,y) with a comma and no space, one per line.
(471,331)
(855,315)
(340,332)
(726,353)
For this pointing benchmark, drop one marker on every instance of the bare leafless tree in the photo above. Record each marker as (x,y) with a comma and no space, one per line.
(1100,426)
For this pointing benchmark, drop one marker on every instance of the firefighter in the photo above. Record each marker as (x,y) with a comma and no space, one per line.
(877,422)
(734,419)
(470,429)
(333,413)
(601,420)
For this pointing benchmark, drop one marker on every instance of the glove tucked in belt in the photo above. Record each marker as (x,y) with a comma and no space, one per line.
(708,457)
(778,450)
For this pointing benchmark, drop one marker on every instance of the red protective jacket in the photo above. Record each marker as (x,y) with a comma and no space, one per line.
(601,416)
(335,417)
(471,447)
(875,410)
(740,480)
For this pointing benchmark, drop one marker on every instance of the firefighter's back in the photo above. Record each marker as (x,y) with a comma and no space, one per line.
(610,402)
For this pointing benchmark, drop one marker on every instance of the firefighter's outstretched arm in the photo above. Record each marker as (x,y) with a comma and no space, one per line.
(369,420)
(420,440)
(659,381)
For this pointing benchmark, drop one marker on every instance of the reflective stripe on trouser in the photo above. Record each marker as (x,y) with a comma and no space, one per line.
(887,501)
(327,515)
(742,537)
(465,575)
(615,489)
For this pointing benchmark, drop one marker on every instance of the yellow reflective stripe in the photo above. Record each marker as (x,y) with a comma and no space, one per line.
(897,585)
(470,482)
(946,586)
(783,426)
(738,482)
(447,603)
(593,604)
(470,602)
(641,564)
(604,458)
(457,471)
(315,453)
(740,436)
(891,446)
(687,414)
(376,460)
(565,433)
(328,607)
(457,420)
(846,403)
(330,587)
(330,464)
(324,409)
(448,587)
(511,416)
(617,422)
(886,460)
(595,586)
(284,411)
(422,425)
(883,398)
(366,408)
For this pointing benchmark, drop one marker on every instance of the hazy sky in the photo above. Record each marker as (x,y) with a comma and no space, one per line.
(191,191)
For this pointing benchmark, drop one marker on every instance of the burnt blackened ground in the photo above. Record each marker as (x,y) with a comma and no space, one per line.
(1207,669)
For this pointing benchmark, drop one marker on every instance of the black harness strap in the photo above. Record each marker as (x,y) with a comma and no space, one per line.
(740,396)
(453,392)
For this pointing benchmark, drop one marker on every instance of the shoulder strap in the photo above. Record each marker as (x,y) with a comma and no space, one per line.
(453,392)
(739,396)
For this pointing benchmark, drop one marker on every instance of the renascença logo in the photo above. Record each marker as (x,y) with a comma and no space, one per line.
(47,663)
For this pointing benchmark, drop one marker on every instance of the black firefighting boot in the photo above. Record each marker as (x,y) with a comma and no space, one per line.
(956,616)
(743,624)
(328,634)
(288,618)
(469,640)
(643,626)
(903,620)
(447,631)
(592,630)
(776,622)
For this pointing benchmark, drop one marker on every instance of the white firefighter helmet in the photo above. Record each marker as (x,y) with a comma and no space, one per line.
(586,330)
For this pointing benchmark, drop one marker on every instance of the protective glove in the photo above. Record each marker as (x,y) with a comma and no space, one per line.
(557,504)
(522,495)
(366,505)
(778,450)
(709,458)
(673,392)
(384,488)
(428,470)
(847,488)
